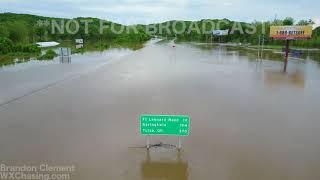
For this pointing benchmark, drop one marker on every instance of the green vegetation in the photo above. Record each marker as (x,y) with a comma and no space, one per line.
(239,35)
(90,46)
(8,47)
(24,28)
(289,21)
(6,60)
(27,29)
(18,32)
(49,55)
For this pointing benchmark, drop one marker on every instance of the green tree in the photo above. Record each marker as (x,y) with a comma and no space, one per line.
(305,22)
(4,31)
(18,32)
(6,45)
(40,32)
(288,21)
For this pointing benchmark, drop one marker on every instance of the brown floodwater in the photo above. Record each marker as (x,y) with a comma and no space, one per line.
(249,120)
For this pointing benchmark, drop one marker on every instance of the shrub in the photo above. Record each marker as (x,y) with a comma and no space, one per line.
(49,55)
(6,45)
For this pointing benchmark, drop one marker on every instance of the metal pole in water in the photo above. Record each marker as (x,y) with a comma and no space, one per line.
(262,47)
(286,56)
(259,48)
(148,143)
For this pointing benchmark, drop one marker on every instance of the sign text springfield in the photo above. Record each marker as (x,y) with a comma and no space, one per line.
(176,125)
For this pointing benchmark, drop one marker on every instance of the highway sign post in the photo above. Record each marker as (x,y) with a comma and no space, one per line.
(168,125)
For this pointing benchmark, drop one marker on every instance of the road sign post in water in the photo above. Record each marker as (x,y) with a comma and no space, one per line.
(290,33)
(169,125)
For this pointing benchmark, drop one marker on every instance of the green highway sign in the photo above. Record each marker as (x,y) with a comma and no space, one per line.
(174,125)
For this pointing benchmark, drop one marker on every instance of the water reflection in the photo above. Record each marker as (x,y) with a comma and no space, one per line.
(65,59)
(11,60)
(169,170)
(279,78)
(252,53)
(65,55)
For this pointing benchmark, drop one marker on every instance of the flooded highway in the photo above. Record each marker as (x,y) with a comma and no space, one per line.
(249,119)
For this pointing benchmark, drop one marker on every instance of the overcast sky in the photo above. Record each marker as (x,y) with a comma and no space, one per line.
(150,11)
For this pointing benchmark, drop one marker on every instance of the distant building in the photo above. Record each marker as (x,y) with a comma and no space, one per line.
(47,44)
(79,41)
(220,32)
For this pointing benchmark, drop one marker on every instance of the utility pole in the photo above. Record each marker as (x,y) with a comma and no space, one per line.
(262,46)
(259,48)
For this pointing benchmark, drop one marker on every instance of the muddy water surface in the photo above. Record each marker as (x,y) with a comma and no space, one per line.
(249,120)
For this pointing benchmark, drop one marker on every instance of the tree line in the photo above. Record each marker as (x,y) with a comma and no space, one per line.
(239,35)
(21,31)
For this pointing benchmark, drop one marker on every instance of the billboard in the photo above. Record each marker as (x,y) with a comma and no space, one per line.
(220,32)
(290,32)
